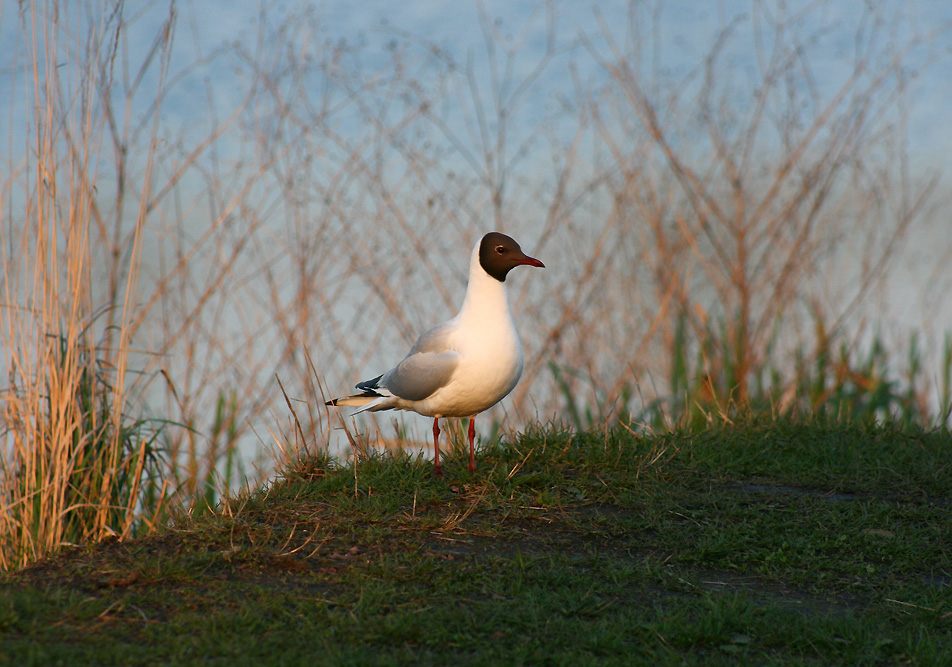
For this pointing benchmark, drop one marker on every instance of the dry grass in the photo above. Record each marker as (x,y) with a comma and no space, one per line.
(160,271)
(75,466)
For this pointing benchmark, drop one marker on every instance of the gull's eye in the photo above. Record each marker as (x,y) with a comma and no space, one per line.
(500,250)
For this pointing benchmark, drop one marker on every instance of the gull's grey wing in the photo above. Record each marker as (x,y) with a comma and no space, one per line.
(420,375)
(435,339)
(428,366)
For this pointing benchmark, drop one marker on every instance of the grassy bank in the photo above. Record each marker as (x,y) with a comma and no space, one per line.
(792,543)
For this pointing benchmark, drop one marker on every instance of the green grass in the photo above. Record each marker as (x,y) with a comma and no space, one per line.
(776,543)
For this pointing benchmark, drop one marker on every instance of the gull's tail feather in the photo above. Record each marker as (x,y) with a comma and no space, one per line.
(354,401)
(369,393)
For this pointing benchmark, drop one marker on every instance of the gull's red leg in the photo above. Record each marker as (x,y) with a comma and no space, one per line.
(472,449)
(437,470)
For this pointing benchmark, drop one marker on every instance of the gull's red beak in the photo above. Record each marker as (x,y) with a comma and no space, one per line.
(532,261)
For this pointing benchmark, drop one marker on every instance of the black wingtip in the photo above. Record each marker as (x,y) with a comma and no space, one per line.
(369,385)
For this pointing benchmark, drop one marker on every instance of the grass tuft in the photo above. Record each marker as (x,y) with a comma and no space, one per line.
(78,468)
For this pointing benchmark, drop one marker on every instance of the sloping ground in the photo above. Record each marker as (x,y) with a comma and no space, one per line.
(782,543)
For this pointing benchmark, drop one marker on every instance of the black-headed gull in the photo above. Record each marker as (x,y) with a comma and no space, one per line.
(465,365)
